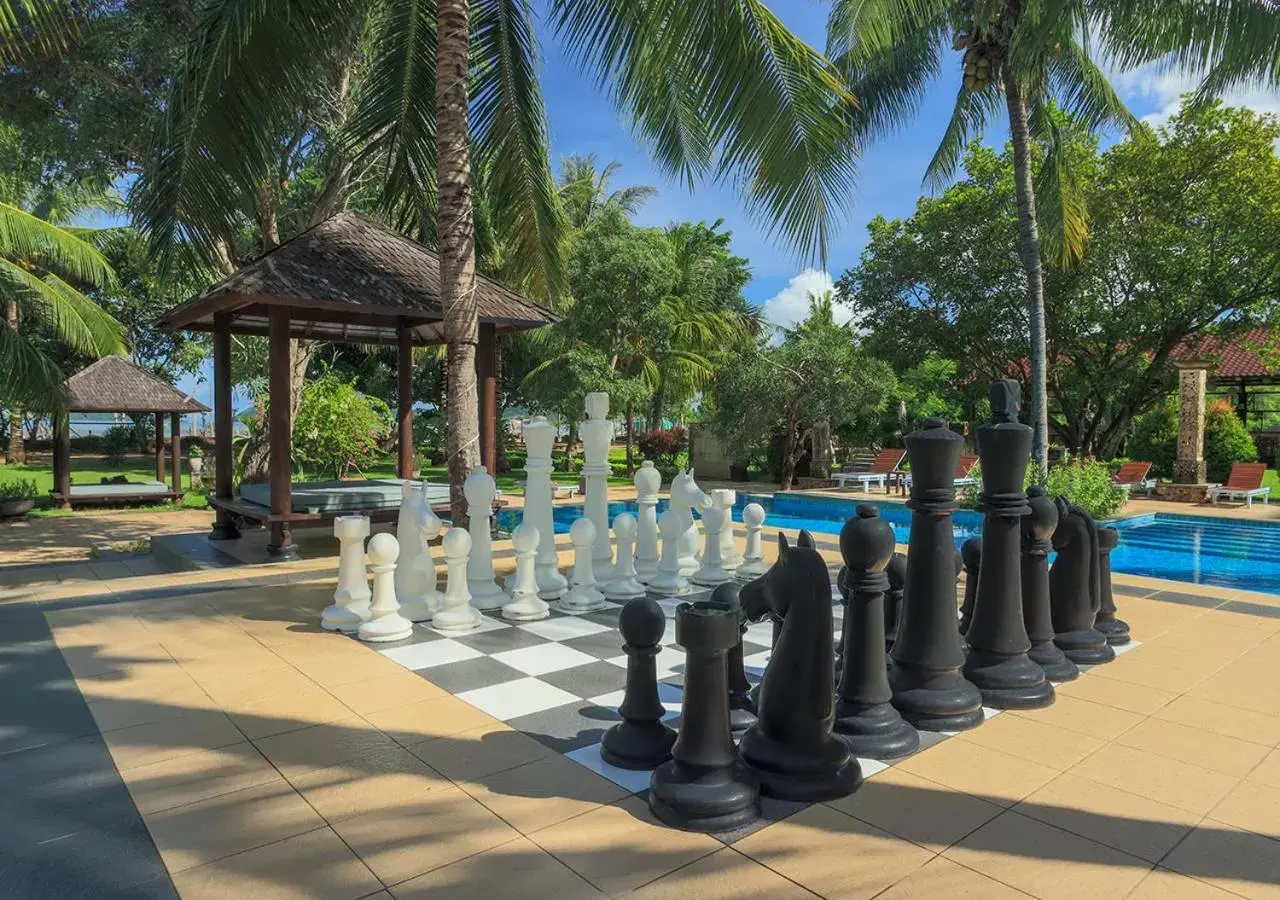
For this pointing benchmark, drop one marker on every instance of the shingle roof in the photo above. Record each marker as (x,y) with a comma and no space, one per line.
(113,384)
(350,278)
(1233,355)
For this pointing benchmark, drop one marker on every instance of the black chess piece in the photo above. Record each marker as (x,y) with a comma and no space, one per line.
(897,574)
(1074,592)
(1116,631)
(1037,530)
(997,662)
(865,718)
(705,786)
(791,749)
(774,630)
(928,688)
(971,560)
(742,711)
(641,740)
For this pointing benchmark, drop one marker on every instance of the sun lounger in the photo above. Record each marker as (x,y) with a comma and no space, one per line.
(885,464)
(1244,482)
(964,472)
(1135,474)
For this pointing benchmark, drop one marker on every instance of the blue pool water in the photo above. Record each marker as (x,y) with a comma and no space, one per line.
(1199,550)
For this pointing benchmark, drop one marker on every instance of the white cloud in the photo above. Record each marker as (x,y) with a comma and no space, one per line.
(1163,90)
(790,306)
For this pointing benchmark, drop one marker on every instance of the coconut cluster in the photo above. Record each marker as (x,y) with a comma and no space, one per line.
(980,61)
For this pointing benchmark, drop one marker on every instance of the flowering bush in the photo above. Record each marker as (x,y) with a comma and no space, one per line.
(662,444)
(338,428)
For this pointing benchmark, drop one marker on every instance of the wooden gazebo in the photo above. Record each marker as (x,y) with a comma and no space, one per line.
(349,279)
(115,385)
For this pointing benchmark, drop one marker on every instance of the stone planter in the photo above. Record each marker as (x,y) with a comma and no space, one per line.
(11,509)
(197,464)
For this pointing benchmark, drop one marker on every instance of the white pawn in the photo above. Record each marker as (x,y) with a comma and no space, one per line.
(583,596)
(426,601)
(647,482)
(711,572)
(624,585)
(351,599)
(730,558)
(479,489)
(754,564)
(525,605)
(456,612)
(385,622)
(668,580)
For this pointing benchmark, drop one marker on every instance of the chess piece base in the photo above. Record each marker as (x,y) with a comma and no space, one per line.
(1008,682)
(669,587)
(551,584)
(1086,648)
(486,595)
(1054,662)
(1115,631)
(624,589)
(580,600)
(387,628)
(740,716)
(875,732)
(465,619)
(693,798)
(421,609)
(631,745)
(340,618)
(707,577)
(750,570)
(827,772)
(935,701)
(525,611)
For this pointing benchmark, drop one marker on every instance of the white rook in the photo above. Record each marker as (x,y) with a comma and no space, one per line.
(724,499)
(351,598)
(711,572)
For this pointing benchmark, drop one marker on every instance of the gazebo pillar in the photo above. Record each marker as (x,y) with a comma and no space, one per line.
(160,447)
(487,378)
(62,459)
(279,387)
(404,388)
(1188,468)
(224,527)
(175,450)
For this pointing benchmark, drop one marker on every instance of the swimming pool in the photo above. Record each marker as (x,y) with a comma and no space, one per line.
(1194,549)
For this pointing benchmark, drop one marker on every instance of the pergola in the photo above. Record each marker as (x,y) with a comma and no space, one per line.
(115,385)
(349,279)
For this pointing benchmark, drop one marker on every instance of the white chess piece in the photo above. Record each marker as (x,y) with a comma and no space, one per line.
(408,577)
(624,585)
(685,497)
(597,434)
(730,558)
(525,605)
(351,598)
(668,580)
(711,572)
(754,564)
(539,439)
(426,599)
(479,489)
(385,622)
(583,596)
(648,482)
(456,612)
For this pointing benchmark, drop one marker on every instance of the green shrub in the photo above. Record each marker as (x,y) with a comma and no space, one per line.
(1226,442)
(1155,438)
(1088,484)
(338,428)
(19,489)
(117,441)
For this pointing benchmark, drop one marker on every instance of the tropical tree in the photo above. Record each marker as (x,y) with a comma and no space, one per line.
(1017,57)
(584,190)
(716,89)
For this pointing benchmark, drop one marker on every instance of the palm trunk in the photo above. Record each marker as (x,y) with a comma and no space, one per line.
(1029,249)
(631,418)
(17,451)
(655,410)
(455,224)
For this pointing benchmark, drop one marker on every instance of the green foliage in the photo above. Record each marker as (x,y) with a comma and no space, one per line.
(1155,438)
(119,440)
(429,437)
(662,444)
(338,428)
(1087,483)
(1226,441)
(18,489)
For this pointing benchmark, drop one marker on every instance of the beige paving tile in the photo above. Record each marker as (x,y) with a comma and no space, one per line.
(421,836)
(544,792)
(156,683)
(1238,861)
(942,878)
(724,875)
(287,711)
(1082,716)
(518,870)
(1135,825)
(399,688)
(834,855)
(1037,742)
(320,746)
(621,847)
(1212,635)
(87,660)
(1216,752)
(1133,668)
(198,776)
(255,658)
(1229,721)
(197,833)
(382,779)
(430,719)
(1047,862)
(1241,687)
(1251,806)
(1162,884)
(232,689)
(921,811)
(312,866)
(1158,778)
(1267,771)
(155,742)
(1098,688)
(113,714)
(988,774)
(480,752)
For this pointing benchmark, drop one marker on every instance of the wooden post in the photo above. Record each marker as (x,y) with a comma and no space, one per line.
(279,383)
(160,447)
(224,527)
(487,376)
(1242,404)
(404,380)
(175,451)
(62,459)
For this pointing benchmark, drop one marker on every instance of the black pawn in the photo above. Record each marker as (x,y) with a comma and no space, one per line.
(928,688)
(997,662)
(865,718)
(1037,530)
(641,740)
(897,573)
(1074,592)
(971,559)
(742,713)
(705,786)
(1116,631)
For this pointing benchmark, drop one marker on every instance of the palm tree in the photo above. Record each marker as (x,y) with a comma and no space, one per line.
(1017,57)
(30,27)
(718,88)
(584,190)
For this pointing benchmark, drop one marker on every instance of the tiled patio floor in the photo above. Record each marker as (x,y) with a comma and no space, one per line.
(269,759)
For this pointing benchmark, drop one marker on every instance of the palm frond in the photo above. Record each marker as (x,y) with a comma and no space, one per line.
(29,379)
(1062,207)
(24,236)
(969,118)
(78,321)
(1084,92)
(31,27)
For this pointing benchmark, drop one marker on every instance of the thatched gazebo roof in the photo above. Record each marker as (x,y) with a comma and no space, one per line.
(350,279)
(113,384)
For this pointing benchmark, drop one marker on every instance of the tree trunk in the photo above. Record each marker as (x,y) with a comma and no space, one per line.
(791,453)
(655,409)
(17,452)
(257,456)
(1029,249)
(631,418)
(820,464)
